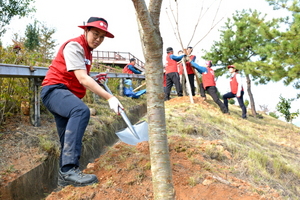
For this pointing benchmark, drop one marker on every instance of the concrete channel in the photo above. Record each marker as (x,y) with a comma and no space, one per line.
(42,180)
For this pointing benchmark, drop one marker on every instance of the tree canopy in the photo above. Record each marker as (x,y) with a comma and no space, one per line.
(12,8)
(286,54)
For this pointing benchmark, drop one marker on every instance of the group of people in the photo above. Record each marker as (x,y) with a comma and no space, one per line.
(67,80)
(174,70)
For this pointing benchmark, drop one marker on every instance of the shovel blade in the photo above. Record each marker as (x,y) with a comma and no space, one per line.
(127,137)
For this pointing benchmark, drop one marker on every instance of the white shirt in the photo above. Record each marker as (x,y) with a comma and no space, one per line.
(74,56)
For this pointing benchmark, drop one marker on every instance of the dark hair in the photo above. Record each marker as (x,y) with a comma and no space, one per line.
(94,19)
(190,48)
(169,49)
(132,59)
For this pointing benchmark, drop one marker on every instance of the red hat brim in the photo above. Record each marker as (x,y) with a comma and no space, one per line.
(232,66)
(98,24)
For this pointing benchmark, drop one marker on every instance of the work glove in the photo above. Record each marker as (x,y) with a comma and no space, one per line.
(115,105)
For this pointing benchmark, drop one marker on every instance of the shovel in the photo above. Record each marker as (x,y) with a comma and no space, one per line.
(133,134)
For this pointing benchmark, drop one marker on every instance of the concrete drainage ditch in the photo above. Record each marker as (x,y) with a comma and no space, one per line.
(42,180)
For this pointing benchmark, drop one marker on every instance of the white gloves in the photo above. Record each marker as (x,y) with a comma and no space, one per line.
(143,73)
(115,105)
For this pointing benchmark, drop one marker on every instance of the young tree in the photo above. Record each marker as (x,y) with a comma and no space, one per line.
(46,42)
(12,8)
(243,44)
(148,20)
(32,36)
(284,106)
(286,53)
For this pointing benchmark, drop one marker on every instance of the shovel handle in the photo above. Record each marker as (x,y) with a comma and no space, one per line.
(122,113)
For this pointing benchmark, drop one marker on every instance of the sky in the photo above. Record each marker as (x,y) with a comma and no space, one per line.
(65,17)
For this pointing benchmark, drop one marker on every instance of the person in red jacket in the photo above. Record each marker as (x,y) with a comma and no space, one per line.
(208,83)
(63,88)
(130,69)
(237,90)
(189,70)
(172,75)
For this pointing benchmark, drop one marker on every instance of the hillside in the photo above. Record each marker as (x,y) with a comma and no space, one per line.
(213,156)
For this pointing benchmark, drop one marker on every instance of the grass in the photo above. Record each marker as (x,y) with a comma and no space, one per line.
(264,151)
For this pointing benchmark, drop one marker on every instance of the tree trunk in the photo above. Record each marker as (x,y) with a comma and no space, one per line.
(253,110)
(153,50)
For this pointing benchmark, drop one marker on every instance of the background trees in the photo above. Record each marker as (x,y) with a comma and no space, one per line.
(284,106)
(12,8)
(286,54)
(35,49)
(242,43)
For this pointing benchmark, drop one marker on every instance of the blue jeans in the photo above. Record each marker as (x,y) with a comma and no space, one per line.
(71,117)
(240,99)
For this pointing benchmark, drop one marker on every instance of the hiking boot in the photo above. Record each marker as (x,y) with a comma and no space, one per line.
(76,178)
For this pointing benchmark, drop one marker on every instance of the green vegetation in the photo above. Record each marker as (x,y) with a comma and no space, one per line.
(13,8)
(284,107)
(264,151)
(273,114)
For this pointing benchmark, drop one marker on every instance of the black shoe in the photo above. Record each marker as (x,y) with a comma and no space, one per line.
(76,178)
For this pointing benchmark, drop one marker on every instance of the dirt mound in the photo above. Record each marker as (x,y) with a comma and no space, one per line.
(124,172)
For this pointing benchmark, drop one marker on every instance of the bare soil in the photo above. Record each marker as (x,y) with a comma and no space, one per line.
(124,171)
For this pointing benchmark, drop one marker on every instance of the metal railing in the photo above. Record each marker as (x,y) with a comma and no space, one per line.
(36,75)
(117,57)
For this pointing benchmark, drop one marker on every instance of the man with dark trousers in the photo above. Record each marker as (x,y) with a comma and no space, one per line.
(189,70)
(172,75)
(63,88)
(209,84)
(237,90)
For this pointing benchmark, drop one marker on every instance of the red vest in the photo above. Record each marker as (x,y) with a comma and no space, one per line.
(189,68)
(126,70)
(58,73)
(234,84)
(208,78)
(180,68)
(171,65)
(188,65)
(165,80)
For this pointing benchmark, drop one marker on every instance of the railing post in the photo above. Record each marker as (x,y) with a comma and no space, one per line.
(121,92)
(35,99)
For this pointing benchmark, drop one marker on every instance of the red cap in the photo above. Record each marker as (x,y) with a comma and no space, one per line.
(208,62)
(100,23)
(232,66)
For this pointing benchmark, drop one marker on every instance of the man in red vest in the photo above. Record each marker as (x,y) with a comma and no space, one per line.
(189,70)
(172,75)
(130,69)
(237,90)
(209,84)
(63,88)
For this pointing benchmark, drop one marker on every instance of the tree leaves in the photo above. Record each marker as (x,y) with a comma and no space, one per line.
(12,8)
